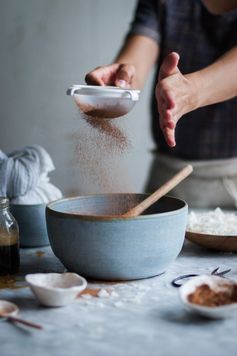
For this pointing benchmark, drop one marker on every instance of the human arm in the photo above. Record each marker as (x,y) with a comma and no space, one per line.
(178,94)
(131,66)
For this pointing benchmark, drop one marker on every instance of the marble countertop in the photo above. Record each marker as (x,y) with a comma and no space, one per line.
(134,318)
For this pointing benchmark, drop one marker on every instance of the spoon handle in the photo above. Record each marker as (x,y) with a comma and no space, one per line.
(25,322)
(164,189)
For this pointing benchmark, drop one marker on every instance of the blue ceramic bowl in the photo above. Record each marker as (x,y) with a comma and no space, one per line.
(32,224)
(110,248)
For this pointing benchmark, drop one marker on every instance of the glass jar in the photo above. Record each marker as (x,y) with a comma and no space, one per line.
(9,240)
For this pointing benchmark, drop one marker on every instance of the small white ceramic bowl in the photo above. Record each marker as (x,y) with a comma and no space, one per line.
(214,282)
(56,289)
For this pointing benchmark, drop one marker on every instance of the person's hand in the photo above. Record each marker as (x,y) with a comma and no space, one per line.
(174,95)
(117,74)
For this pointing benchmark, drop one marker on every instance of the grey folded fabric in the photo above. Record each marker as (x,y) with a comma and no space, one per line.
(24,176)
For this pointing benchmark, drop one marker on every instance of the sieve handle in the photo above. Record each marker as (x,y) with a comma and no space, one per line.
(133,95)
(73,90)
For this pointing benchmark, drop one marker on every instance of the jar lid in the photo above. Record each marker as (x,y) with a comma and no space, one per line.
(4,202)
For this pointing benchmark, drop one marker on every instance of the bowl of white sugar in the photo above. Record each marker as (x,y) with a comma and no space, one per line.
(214,229)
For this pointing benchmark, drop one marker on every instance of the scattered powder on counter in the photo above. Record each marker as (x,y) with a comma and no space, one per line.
(118,304)
(86,296)
(114,294)
(119,295)
(214,222)
(103,293)
(89,292)
(204,295)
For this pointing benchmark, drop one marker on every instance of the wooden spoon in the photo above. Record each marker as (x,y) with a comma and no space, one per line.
(164,189)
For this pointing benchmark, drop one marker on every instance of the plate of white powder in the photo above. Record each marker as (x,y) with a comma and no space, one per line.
(214,229)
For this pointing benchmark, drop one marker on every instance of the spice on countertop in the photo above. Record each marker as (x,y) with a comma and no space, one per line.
(11,282)
(205,296)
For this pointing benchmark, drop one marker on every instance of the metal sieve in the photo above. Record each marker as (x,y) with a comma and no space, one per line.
(103,102)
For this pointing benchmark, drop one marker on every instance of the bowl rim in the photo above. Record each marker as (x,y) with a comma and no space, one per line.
(60,214)
(107,91)
(28,205)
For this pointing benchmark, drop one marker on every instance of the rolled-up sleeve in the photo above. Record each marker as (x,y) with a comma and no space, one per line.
(146,20)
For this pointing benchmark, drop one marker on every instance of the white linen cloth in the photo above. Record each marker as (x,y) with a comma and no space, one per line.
(24,176)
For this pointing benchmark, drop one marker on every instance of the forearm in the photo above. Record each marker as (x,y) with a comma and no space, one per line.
(217,82)
(141,52)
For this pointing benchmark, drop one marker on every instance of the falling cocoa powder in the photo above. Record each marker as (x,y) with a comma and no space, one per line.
(116,205)
(204,295)
(98,142)
(119,141)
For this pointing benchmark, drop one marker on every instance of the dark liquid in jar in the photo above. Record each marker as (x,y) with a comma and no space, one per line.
(9,259)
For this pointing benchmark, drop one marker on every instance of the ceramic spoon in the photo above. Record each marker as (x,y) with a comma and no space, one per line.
(9,310)
(164,189)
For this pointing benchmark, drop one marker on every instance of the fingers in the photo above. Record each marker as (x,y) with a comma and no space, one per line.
(166,109)
(125,76)
(167,125)
(104,75)
(169,136)
(120,75)
(165,98)
(169,65)
(95,77)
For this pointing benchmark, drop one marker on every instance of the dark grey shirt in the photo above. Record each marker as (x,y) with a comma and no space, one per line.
(185,26)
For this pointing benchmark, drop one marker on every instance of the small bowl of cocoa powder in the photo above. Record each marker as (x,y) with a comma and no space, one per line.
(210,296)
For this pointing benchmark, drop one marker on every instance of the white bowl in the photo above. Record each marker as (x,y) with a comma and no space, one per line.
(56,289)
(103,102)
(214,282)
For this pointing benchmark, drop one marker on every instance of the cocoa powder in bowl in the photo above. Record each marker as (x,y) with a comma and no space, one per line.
(104,108)
(205,296)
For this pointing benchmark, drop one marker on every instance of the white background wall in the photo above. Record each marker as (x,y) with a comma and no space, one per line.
(47,45)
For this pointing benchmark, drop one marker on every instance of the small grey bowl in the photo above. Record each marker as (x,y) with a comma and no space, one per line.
(110,248)
(32,224)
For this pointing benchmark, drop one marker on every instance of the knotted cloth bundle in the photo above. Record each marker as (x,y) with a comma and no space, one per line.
(24,176)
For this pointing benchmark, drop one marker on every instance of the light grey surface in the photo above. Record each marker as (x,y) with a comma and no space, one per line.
(140,318)
(46,46)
